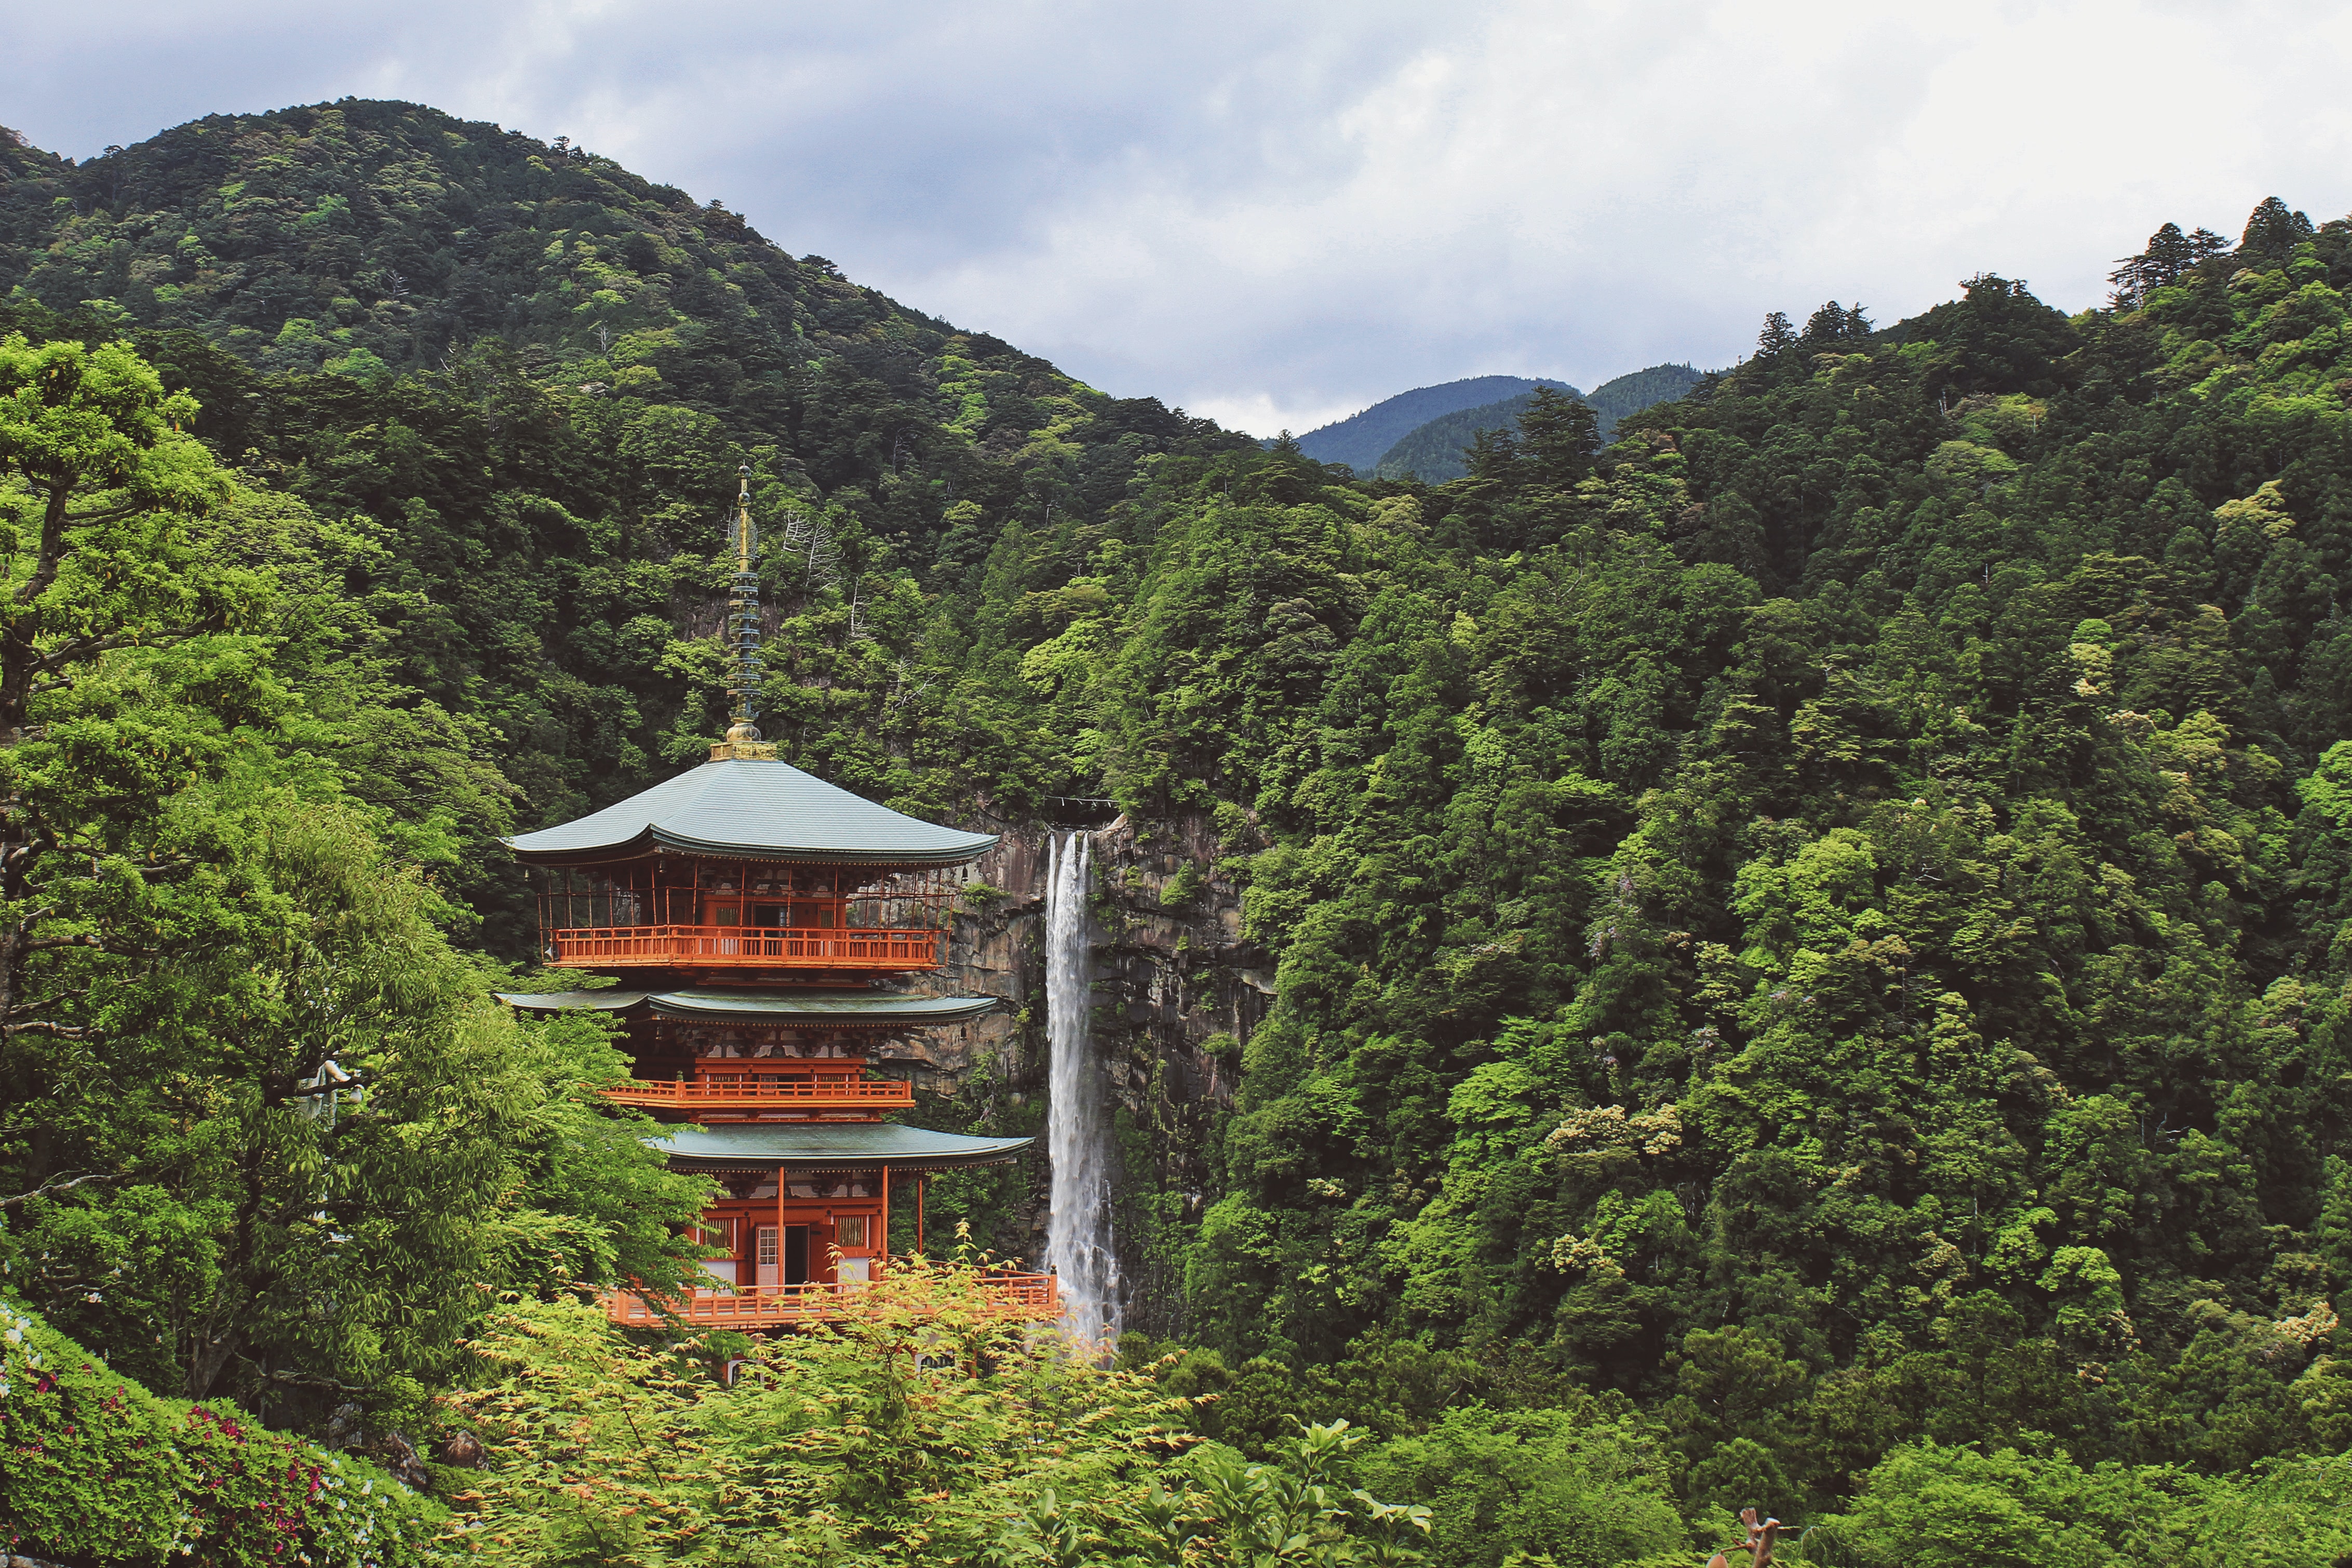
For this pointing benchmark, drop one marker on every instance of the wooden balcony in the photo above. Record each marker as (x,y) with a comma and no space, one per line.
(755,1092)
(744,947)
(1034,1296)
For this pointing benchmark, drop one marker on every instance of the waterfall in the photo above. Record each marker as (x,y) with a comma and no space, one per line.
(1078,1243)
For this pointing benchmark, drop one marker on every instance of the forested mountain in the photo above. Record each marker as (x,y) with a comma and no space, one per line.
(527,377)
(1359,440)
(1436,452)
(1623,396)
(1811,944)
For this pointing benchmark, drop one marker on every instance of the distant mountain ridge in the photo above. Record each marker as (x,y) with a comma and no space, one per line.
(1631,392)
(1360,440)
(1432,452)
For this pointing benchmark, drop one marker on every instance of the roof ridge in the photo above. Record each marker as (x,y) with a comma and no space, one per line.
(760,807)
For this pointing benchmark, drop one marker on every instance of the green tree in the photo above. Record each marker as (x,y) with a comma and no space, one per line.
(265,1133)
(1558,436)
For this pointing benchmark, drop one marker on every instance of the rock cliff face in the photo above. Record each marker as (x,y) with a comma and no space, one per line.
(1176,991)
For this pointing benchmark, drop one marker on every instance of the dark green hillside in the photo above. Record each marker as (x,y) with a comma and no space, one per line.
(1435,452)
(1844,893)
(527,376)
(1851,880)
(1359,440)
(1626,395)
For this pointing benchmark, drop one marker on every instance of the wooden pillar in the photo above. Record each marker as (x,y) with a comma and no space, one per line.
(918,1211)
(883,1248)
(781,1190)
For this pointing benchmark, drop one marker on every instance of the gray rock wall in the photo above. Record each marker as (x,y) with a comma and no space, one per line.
(1176,992)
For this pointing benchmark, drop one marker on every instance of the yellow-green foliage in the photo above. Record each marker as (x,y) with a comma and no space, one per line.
(918,1427)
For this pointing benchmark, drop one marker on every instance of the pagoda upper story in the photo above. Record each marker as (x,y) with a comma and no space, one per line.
(747,870)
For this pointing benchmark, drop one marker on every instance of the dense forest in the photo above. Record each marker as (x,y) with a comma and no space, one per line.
(1811,940)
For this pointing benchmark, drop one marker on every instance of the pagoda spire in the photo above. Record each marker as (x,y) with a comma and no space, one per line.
(743,635)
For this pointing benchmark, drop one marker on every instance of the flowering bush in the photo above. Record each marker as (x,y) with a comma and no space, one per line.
(95,1468)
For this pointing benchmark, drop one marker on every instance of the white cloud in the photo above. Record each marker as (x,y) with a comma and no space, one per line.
(1277,215)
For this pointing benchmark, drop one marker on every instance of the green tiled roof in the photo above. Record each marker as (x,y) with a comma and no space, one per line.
(760,809)
(848,1011)
(610,1001)
(829,1146)
(839,1009)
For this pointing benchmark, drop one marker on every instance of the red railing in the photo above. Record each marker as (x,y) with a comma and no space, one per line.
(821,1092)
(745,946)
(771,1306)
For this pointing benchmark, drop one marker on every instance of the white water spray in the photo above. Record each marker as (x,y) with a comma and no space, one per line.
(1078,1242)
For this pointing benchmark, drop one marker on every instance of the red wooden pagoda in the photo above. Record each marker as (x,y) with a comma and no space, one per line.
(755,918)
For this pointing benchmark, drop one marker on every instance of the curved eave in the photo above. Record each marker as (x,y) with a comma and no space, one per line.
(886,1010)
(652,839)
(608,1001)
(752,809)
(815,1147)
(963,855)
(837,1012)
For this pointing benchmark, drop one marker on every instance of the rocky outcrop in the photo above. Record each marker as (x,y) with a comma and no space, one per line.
(1176,990)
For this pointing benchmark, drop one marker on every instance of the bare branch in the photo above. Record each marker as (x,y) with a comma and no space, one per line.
(56,1186)
(77,649)
(104,514)
(44,943)
(53,1030)
(324,1089)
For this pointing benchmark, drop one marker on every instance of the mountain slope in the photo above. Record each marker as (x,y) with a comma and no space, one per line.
(365,238)
(1359,440)
(533,374)
(1629,394)
(1432,452)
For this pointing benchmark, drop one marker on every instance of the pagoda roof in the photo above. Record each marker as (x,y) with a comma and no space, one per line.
(828,1146)
(758,808)
(836,1009)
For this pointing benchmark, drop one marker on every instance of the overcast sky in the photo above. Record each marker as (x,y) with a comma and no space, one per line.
(1278,214)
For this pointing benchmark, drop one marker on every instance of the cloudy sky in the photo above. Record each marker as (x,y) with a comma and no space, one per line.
(1278,214)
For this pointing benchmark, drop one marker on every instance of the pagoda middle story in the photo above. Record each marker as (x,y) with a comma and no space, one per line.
(754,918)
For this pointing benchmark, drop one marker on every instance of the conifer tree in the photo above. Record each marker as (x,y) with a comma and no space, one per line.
(1558,437)
(2272,231)
(1493,454)
(2169,253)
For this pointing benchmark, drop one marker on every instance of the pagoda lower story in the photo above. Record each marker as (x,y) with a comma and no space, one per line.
(775,1099)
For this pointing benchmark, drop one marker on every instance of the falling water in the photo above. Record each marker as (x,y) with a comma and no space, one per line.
(1078,1244)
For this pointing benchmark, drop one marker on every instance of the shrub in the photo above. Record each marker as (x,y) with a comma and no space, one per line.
(94,1468)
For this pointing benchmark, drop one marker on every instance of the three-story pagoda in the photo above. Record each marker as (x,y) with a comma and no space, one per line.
(753,917)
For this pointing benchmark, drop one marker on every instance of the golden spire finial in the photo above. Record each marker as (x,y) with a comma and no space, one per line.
(743,519)
(743,636)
